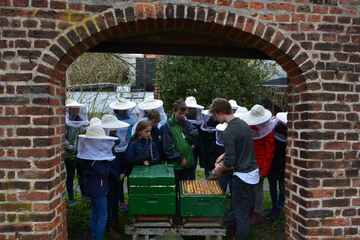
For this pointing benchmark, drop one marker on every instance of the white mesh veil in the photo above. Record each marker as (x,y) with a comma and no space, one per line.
(121,133)
(196,118)
(263,129)
(76,120)
(219,138)
(95,149)
(163,117)
(129,116)
(219,133)
(205,125)
(278,136)
(145,118)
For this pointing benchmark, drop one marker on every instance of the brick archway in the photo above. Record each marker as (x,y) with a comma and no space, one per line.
(114,23)
(316,42)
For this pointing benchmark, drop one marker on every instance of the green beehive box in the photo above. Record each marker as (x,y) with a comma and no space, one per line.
(204,205)
(158,174)
(152,189)
(152,204)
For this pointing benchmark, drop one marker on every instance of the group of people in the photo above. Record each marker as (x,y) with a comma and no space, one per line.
(249,145)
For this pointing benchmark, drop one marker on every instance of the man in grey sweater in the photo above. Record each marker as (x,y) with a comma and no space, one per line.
(239,155)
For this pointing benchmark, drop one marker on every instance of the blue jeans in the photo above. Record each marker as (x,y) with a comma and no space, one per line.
(277,200)
(240,200)
(98,217)
(224,182)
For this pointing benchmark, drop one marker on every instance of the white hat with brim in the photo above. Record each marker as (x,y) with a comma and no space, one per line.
(282,116)
(73,103)
(96,132)
(233,104)
(221,126)
(191,103)
(205,112)
(150,103)
(239,113)
(257,115)
(122,104)
(110,121)
(95,121)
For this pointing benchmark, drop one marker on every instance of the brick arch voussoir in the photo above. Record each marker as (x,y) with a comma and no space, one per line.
(273,42)
(79,38)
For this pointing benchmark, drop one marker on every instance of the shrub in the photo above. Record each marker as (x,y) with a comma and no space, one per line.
(78,220)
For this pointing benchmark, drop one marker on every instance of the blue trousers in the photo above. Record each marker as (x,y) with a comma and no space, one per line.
(98,217)
(277,200)
(240,200)
(224,182)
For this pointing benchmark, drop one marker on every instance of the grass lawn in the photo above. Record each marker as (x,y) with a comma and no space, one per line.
(78,217)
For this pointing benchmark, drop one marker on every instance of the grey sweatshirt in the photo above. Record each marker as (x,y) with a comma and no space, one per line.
(239,147)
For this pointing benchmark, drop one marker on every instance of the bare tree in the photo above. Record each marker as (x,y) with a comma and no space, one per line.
(92,74)
(278,96)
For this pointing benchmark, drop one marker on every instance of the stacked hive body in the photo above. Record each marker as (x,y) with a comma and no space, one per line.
(201,198)
(152,190)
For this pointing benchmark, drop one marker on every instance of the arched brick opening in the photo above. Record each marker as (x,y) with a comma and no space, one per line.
(322,175)
(239,29)
(112,24)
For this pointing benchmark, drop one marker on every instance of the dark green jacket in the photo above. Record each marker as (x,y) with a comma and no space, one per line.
(178,136)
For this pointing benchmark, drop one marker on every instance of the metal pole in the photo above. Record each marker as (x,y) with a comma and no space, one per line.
(144,73)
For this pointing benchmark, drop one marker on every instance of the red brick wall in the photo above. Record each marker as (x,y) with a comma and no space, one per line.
(315,41)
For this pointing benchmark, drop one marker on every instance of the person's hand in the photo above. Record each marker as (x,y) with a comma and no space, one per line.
(121,177)
(218,169)
(146,163)
(183,163)
(219,159)
(262,177)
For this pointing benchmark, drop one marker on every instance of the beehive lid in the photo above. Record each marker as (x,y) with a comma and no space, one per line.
(191,187)
(159,174)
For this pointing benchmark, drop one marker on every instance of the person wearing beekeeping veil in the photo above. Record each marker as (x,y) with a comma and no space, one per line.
(193,115)
(151,103)
(262,129)
(95,154)
(124,111)
(115,197)
(75,122)
(207,142)
(276,174)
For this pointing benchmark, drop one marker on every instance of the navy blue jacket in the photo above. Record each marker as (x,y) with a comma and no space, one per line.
(156,135)
(95,177)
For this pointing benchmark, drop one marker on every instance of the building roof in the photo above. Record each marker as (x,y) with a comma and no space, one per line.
(277,81)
